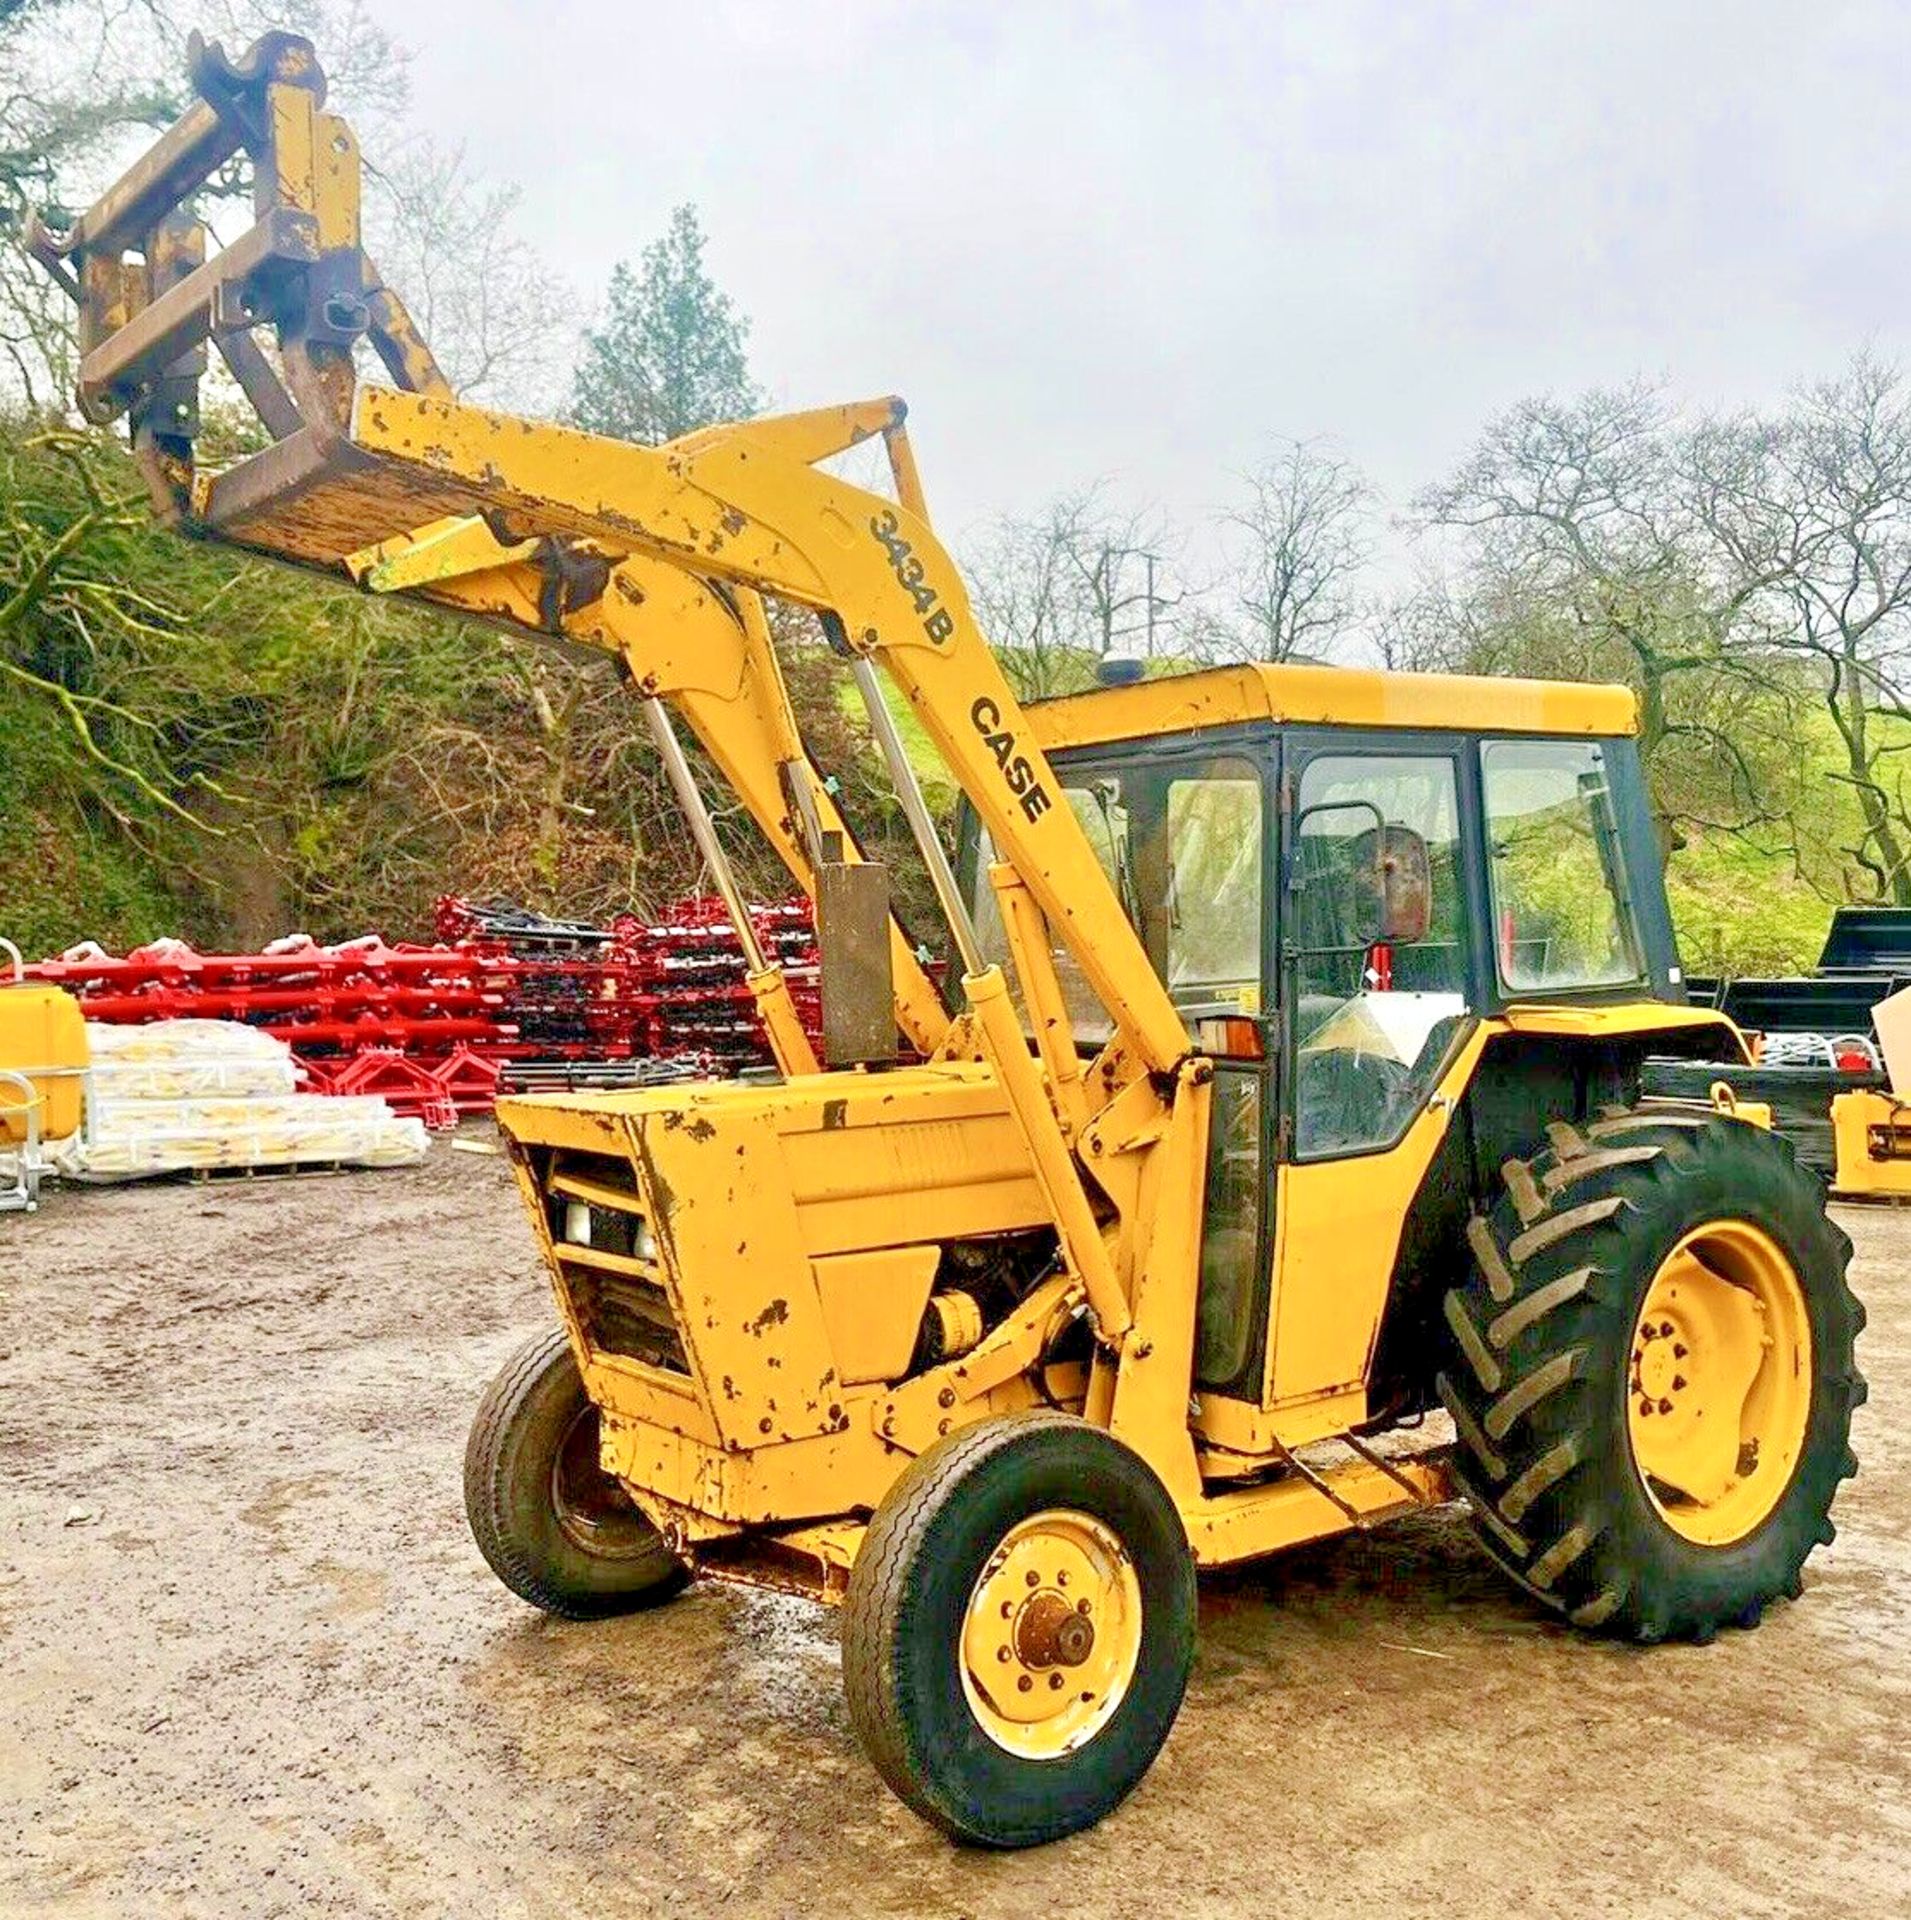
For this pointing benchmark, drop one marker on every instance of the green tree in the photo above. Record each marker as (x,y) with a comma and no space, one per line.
(670,355)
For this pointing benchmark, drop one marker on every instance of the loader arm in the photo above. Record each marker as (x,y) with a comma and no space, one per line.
(707,652)
(741,506)
(661,555)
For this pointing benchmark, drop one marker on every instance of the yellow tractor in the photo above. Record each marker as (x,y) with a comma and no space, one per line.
(1280,1168)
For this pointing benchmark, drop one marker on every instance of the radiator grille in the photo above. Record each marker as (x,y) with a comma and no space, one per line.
(607,1256)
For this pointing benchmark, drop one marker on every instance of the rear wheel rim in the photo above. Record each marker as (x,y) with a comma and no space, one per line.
(1719,1382)
(1051,1637)
(593,1511)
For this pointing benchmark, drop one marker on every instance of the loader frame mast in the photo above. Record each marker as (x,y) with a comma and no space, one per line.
(662,556)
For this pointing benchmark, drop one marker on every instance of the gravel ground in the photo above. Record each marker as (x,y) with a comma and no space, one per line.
(251,1664)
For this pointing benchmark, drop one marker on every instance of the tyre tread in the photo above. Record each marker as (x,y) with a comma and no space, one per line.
(1551,1298)
(487,1485)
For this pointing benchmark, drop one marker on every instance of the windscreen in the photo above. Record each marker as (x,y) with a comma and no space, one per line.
(1181,843)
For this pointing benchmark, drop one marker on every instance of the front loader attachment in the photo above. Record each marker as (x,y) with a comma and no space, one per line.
(288,305)
(397,488)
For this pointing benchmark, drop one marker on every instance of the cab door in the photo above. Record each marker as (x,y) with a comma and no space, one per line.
(1379,992)
(1184,833)
(1217,949)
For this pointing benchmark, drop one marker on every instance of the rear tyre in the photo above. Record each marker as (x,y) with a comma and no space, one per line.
(1019,1629)
(553,1525)
(1651,1372)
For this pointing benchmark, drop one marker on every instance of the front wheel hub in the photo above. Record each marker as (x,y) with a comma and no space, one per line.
(1052,1634)
(594,1511)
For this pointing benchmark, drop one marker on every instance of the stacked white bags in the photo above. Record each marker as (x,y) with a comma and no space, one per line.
(178,1094)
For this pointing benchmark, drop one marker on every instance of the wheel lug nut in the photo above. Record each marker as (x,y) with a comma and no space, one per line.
(1035,1579)
(1678,1382)
(1082,1607)
(1678,1351)
(1061,1579)
(1054,1681)
(1645,1406)
(1665,1406)
(1002,1653)
(1024,1684)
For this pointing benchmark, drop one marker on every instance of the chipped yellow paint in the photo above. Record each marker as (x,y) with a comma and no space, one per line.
(1872,1136)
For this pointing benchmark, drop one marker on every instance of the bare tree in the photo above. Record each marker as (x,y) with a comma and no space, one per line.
(1590,547)
(1120,562)
(1587,543)
(1298,542)
(1432,626)
(1814,508)
(499,321)
(57,130)
(1570,505)
(1023,589)
(1062,588)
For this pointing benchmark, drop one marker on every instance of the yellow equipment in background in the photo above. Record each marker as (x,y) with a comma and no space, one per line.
(1871,1129)
(1298,1181)
(43,1060)
(43,1040)
(1871,1136)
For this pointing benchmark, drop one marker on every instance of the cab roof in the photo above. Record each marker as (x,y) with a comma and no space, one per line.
(1332,696)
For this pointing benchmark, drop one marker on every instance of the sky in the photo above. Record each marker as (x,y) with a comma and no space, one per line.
(1134,242)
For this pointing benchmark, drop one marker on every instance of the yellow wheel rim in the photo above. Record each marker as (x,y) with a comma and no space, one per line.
(1052,1634)
(1718,1389)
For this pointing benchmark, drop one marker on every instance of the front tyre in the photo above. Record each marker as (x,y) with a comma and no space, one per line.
(1652,1373)
(553,1525)
(1019,1629)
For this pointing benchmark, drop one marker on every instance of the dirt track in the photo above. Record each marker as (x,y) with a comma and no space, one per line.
(273,1676)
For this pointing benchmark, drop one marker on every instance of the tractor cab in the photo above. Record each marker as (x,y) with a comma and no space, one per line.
(1338,875)
(1274,855)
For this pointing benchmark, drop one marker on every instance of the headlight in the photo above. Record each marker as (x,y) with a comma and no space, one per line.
(577,1223)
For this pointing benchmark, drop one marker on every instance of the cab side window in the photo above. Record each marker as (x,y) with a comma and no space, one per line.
(1377,944)
(1181,843)
(1214,916)
(1562,911)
